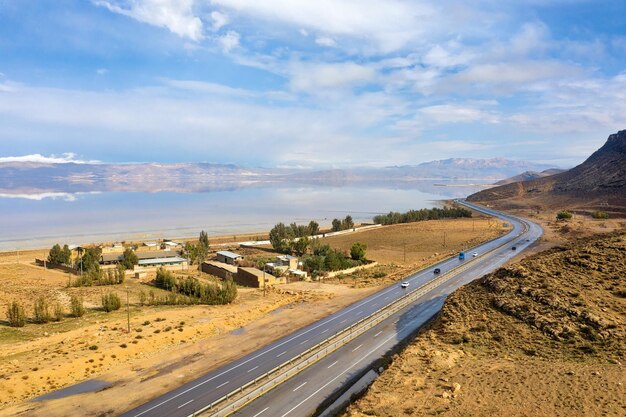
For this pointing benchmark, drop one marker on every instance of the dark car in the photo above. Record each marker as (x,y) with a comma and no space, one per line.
(437,270)
(514,248)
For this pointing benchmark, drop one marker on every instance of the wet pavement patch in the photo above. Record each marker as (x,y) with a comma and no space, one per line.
(92,385)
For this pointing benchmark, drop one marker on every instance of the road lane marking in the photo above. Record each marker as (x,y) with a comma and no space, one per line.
(300,386)
(324,331)
(188,402)
(332,364)
(343,321)
(359,313)
(304,341)
(357,347)
(281,354)
(221,385)
(250,370)
(260,412)
(376,335)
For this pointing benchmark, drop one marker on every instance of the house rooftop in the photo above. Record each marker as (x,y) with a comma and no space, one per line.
(161,261)
(229,254)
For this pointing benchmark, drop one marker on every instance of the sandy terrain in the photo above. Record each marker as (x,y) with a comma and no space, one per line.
(171,345)
(544,337)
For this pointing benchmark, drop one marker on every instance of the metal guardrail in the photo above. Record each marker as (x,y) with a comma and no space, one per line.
(236,399)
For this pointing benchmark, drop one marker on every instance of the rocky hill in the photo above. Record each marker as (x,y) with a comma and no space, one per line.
(544,337)
(530,175)
(600,179)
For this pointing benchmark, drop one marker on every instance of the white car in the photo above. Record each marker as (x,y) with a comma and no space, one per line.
(404,284)
(475,254)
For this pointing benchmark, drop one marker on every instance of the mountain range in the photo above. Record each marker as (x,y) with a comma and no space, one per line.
(37,177)
(599,181)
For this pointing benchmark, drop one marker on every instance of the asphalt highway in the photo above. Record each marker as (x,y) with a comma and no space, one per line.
(302,394)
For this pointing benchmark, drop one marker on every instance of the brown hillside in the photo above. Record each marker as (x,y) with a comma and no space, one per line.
(601,179)
(545,337)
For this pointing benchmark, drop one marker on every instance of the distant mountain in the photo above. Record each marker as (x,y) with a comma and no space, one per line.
(530,175)
(468,169)
(38,178)
(600,179)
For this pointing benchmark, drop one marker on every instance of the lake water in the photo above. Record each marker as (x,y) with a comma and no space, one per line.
(82,219)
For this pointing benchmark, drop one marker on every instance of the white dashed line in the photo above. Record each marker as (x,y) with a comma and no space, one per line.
(281,354)
(304,341)
(250,370)
(376,335)
(332,364)
(299,386)
(221,385)
(182,405)
(357,347)
(260,412)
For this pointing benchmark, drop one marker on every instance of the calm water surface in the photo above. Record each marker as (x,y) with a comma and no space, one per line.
(27,223)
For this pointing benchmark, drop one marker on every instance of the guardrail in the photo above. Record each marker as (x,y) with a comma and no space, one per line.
(236,399)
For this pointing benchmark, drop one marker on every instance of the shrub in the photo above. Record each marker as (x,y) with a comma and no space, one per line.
(111,302)
(76,306)
(93,347)
(59,312)
(15,315)
(41,311)
(142,298)
(563,215)
(599,215)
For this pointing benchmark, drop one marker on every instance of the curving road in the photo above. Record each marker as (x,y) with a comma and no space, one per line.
(303,394)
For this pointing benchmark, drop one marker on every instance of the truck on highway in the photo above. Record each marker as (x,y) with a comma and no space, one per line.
(461,255)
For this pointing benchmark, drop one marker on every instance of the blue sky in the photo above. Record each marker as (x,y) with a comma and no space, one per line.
(310,83)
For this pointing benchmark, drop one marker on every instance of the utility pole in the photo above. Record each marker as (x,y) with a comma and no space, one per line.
(127,310)
(404,252)
(444,239)
(264,282)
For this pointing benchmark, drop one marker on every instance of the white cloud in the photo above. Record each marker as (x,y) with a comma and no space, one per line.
(229,41)
(312,77)
(325,41)
(102,71)
(219,20)
(388,25)
(452,113)
(175,15)
(47,195)
(65,158)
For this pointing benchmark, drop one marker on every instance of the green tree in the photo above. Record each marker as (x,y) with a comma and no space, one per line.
(41,311)
(357,251)
(563,215)
(77,308)
(314,227)
(56,254)
(190,251)
(202,248)
(347,223)
(280,237)
(120,274)
(336,225)
(66,255)
(301,245)
(129,259)
(15,315)
(90,260)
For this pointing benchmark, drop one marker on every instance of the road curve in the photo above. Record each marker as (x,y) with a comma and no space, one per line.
(302,394)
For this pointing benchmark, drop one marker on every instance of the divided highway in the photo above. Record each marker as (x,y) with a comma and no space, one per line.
(302,394)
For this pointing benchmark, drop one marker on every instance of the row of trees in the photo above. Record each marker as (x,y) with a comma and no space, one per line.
(196,291)
(421,215)
(96,276)
(345,224)
(43,312)
(60,255)
(293,238)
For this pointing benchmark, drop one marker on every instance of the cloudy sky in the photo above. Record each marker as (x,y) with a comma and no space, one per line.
(310,82)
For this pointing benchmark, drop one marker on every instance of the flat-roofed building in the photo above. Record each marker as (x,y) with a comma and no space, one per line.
(228,257)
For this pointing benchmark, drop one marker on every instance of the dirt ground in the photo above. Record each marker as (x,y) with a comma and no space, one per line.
(170,345)
(543,337)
